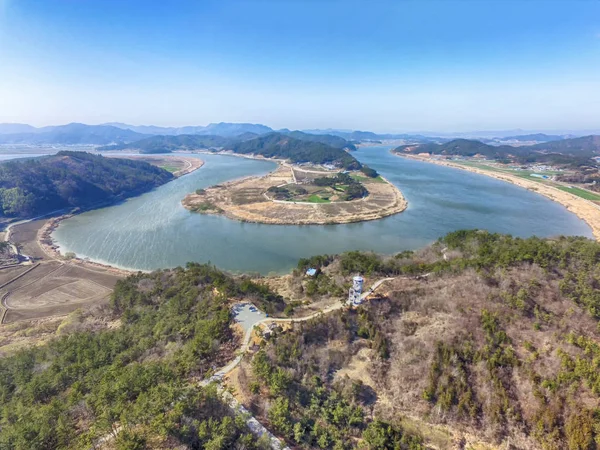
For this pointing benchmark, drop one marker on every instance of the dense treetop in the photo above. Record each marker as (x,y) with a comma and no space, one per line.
(500,340)
(329,139)
(71,179)
(141,375)
(295,146)
(277,145)
(166,144)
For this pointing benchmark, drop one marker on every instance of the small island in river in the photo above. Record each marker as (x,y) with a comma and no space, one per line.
(301,195)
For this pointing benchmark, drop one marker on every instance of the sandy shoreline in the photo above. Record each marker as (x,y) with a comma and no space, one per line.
(51,249)
(582,208)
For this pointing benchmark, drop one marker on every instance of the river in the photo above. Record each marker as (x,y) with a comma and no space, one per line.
(154,231)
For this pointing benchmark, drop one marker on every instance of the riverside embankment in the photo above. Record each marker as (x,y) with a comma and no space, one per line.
(582,208)
(155,231)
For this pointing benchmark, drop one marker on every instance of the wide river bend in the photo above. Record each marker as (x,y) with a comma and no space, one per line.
(154,231)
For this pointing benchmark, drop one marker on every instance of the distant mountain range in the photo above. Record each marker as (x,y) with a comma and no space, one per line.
(369,135)
(505,134)
(13,128)
(575,151)
(166,144)
(121,133)
(538,137)
(71,134)
(216,129)
(584,144)
(262,144)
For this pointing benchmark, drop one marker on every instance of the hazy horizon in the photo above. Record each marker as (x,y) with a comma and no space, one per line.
(443,66)
(515,131)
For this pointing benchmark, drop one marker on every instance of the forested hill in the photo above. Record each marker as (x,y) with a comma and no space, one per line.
(498,347)
(459,147)
(329,139)
(574,152)
(478,341)
(277,145)
(167,144)
(136,382)
(69,179)
(574,146)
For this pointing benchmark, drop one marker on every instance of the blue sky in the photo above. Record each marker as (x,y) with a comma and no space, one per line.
(377,65)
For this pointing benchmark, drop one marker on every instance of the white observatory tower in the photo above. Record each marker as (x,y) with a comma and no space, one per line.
(356,290)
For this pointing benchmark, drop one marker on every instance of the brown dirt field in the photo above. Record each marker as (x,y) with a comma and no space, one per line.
(9,273)
(26,236)
(244,200)
(36,273)
(53,289)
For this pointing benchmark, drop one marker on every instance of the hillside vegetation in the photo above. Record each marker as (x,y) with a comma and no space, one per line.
(295,146)
(71,179)
(329,139)
(277,145)
(460,147)
(140,375)
(575,152)
(167,144)
(499,345)
(573,146)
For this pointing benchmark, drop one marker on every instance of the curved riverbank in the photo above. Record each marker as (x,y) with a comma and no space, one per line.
(582,208)
(247,200)
(183,164)
(155,231)
(50,248)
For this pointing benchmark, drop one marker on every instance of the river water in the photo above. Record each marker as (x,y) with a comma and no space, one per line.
(154,231)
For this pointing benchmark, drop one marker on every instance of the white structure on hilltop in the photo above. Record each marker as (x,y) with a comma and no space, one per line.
(356,290)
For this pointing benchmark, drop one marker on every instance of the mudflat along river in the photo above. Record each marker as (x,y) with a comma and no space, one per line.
(154,230)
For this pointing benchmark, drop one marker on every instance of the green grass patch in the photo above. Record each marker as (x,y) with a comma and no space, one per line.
(481,166)
(580,193)
(206,207)
(362,179)
(317,199)
(171,169)
(341,187)
(526,174)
